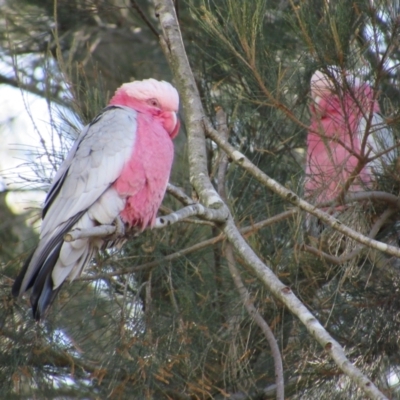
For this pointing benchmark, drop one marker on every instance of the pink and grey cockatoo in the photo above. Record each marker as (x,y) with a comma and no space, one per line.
(117,170)
(346,129)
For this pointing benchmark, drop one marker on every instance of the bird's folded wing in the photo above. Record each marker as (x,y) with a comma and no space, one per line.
(91,167)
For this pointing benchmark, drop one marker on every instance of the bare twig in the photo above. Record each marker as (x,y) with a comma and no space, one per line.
(196,209)
(152,264)
(373,196)
(248,230)
(259,320)
(347,257)
(144,18)
(179,194)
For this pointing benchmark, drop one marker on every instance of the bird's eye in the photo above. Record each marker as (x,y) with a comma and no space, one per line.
(153,103)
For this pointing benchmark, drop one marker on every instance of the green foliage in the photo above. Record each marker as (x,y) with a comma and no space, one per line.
(141,325)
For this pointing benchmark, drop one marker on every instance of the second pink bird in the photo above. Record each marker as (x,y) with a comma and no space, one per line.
(344,115)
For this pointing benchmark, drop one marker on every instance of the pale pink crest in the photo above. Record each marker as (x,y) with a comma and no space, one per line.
(147,89)
(158,98)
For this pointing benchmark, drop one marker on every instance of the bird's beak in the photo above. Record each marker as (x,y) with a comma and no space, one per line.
(176,125)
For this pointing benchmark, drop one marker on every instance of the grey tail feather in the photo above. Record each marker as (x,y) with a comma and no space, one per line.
(43,294)
(16,288)
(41,307)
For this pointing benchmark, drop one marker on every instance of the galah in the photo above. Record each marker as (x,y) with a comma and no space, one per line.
(345,130)
(117,170)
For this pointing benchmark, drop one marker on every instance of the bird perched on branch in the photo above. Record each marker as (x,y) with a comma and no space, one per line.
(117,171)
(348,142)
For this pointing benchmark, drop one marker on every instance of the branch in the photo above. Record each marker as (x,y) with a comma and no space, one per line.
(293,198)
(259,320)
(172,45)
(180,195)
(220,215)
(152,264)
(374,196)
(389,198)
(196,209)
(174,50)
(248,230)
(285,294)
(347,257)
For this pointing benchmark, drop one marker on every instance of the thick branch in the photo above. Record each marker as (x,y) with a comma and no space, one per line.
(172,45)
(175,53)
(285,294)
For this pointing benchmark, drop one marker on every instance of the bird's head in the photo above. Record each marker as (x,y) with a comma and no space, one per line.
(159,98)
(333,80)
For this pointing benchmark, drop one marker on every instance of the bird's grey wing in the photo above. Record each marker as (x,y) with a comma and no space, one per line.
(380,138)
(62,172)
(97,162)
(94,164)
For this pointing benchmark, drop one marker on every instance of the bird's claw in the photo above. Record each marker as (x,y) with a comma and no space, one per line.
(117,239)
(119,227)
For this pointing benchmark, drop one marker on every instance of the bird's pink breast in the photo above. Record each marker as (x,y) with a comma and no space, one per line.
(331,142)
(144,178)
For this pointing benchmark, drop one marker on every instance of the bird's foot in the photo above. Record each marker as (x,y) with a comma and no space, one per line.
(118,238)
(119,227)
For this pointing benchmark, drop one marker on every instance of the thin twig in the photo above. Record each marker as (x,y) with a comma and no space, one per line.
(248,230)
(347,257)
(373,196)
(180,195)
(145,19)
(196,209)
(259,320)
